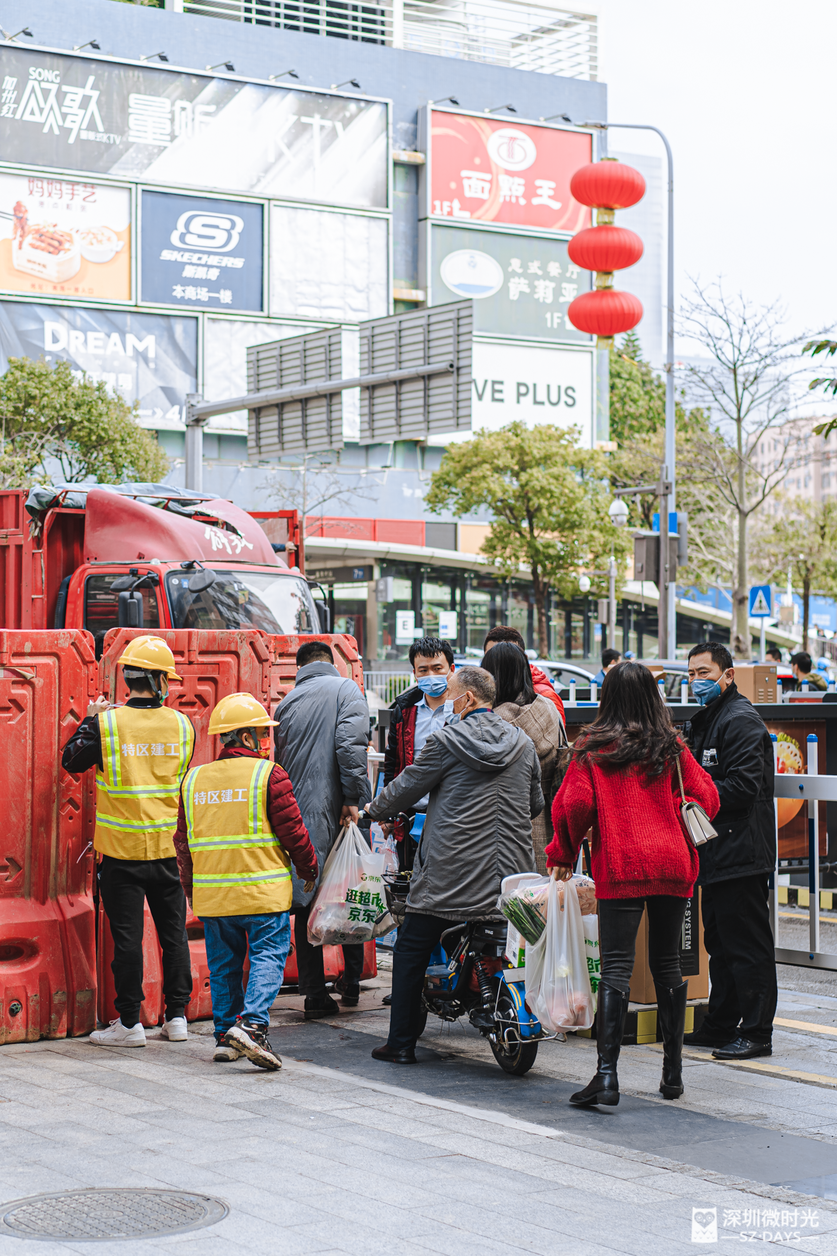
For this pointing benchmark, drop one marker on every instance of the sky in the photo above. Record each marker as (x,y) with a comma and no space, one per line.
(744,91)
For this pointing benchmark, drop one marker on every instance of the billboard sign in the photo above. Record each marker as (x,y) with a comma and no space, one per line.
(64,237)
(491,170)
(520,285)
(198,252)
(148,358)
(138,122)
(532,383)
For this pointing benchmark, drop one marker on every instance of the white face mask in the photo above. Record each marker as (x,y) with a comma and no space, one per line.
(463,697)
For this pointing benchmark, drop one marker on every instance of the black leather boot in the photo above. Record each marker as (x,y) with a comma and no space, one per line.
(671,1017)
(610,1020)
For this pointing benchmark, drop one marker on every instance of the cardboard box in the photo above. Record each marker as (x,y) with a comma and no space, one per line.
(694,962)
(757,681)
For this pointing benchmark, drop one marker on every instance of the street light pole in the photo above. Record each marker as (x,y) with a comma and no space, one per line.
(667,594)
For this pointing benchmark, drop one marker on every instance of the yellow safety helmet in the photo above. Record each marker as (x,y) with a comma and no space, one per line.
(239,710)
(149,654)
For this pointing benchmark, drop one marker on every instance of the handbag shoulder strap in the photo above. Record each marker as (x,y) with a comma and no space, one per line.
(680,779)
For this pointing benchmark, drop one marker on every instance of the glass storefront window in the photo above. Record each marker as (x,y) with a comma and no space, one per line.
(403,576)
(350,612)
(436,597)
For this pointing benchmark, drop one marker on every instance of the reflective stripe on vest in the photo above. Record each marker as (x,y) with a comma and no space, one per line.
(239,866)
(145,754)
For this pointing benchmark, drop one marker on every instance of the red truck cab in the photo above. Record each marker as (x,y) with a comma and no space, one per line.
(149,557)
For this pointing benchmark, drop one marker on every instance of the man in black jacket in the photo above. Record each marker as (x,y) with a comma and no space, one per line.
(730,741)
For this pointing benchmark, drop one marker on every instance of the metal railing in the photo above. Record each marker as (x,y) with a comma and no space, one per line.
(387,685)
(516,33)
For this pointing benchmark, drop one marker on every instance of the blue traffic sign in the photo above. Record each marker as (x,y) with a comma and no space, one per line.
(761,601)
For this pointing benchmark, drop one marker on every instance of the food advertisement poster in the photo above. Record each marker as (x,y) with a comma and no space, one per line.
(792,755)
(64,237)
(499,171)
(198,252)
(147,358)
(145,122)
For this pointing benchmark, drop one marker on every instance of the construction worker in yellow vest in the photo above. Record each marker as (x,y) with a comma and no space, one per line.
(141,752)
(238,832)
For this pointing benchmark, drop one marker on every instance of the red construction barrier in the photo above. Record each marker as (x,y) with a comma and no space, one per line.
(47,921)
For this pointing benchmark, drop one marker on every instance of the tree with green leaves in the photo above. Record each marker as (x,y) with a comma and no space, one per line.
(47,414)
(548,501)
(828,383)
(804,541)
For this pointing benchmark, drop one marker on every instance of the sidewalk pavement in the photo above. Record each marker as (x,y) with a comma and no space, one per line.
(318,1159)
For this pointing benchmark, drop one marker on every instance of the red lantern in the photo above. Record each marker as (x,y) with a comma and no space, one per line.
(605,312)
(607,185)
(605,248)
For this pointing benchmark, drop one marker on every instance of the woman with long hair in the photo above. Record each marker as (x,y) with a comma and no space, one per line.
(518,704)
(624,782)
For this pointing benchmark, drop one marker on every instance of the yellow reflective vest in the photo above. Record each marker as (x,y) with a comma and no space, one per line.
(145,754)
(239,867)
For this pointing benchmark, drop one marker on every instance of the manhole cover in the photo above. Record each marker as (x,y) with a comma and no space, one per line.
(96,1216)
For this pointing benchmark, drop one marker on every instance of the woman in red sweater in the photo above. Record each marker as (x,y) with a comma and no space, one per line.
(623,782)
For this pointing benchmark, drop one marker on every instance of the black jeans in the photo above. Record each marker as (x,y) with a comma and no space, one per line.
(309,959)
(418,937)
(742,959)
(619,920)
(124,885)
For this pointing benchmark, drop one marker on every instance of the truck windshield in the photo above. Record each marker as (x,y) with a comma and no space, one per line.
(243,599)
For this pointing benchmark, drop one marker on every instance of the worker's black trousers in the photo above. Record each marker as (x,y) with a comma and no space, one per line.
(742,960)
(124,885)
(309,959)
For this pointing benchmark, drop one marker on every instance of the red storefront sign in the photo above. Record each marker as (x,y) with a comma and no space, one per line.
(495,170)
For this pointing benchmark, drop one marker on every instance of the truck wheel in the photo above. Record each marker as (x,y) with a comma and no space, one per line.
(514,1054)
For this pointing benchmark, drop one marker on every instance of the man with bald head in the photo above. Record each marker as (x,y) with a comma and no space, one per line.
(484,781)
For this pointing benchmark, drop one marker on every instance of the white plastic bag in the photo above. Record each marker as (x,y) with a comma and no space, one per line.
(594,957)
(350,903)
(557,980)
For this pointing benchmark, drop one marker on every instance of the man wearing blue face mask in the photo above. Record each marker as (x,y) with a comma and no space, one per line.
(730,741)
(417,713)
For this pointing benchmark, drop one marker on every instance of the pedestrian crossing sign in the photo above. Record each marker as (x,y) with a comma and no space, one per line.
(760,601)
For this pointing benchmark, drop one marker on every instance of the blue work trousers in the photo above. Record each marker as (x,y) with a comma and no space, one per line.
(228,938)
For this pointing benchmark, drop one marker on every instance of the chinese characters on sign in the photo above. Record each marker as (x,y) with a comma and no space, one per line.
(217,243)
(521,286)
(64,237)
(486,170)
(80,113)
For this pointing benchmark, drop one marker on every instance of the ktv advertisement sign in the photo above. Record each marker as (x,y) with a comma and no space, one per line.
(170,127)
(64,237)
(534,384)
(520,285)
(495,171)
(147,358)
(197,252)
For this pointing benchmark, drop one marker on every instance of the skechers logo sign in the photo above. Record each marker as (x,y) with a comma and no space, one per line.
(198,229)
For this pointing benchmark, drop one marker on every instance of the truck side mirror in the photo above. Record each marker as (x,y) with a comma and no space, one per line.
(201,580)
(130,610)
(325,616)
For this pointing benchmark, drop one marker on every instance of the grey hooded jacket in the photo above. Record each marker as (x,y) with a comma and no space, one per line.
(484,780)
(321,741)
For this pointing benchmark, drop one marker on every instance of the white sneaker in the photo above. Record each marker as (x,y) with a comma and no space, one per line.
(224,1054)
(175,1029)
(116,1035)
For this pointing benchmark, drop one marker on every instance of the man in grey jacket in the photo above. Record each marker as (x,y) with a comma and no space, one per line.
(484,781)
(321,739)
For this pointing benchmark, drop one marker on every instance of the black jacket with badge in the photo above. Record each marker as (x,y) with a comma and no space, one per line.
(730,741)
